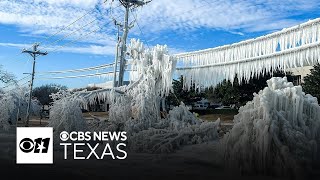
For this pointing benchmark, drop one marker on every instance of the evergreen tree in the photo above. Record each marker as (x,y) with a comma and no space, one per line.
(179,94)
(240,93)
(311,83)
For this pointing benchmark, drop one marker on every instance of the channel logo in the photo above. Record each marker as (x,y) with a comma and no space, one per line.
(34,145)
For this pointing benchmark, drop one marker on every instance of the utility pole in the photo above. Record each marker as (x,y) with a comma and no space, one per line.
(123,48)
(34,53)
(117,55)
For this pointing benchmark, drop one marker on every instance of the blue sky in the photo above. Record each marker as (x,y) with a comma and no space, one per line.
(184,25)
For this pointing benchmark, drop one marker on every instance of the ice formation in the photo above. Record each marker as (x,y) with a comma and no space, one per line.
(65,113)
(277,132)
(180,128)
(136,108)
(13,105)
(293,47)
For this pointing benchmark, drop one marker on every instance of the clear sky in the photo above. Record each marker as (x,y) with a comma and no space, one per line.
(183,25)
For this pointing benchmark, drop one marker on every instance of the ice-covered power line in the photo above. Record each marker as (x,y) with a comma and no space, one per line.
(104,66)
(302,34)
(289,48)
(294,62)
(106,74)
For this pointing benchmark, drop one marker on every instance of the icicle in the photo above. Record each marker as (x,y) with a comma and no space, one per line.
(290,38)
(211,75)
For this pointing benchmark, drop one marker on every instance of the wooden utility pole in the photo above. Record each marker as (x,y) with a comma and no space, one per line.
(34,53)
(123,46)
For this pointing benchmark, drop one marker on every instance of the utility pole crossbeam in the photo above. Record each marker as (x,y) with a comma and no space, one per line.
(34,53)
(123,46)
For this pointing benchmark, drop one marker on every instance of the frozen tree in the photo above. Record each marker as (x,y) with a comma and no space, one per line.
(152,73)
(13,105)
(6,77)
(136,108)
(277,132)
(65,113)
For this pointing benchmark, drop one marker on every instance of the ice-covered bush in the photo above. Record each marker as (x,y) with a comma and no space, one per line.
(277,132)
(13,105)
(180,128)
(65,113)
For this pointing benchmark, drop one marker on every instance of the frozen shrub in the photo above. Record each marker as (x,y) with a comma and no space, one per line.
(13,105)
(66,114)
(277,132)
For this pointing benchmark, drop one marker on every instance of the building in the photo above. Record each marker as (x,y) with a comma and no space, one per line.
(299,73)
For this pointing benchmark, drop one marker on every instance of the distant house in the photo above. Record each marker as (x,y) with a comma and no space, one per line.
(299,73)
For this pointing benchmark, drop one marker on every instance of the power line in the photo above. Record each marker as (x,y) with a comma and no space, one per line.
(78,76)
(64,28)
(104,66)
(135,19)
(71,33)
(59,31)
(80,38)
(13,83)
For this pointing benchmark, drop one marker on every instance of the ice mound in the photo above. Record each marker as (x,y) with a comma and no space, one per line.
(277,132)
(179,129)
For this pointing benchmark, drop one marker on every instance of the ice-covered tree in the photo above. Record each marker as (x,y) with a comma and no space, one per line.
(13,105)
(6,77)
(65,113)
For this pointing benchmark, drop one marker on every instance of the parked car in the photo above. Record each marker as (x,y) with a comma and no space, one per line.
(214,106)
(200,107)
(224,107)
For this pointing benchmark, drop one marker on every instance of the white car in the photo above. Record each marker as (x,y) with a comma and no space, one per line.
(224,107)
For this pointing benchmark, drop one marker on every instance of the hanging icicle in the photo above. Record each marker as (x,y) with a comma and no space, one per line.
(290,48)
(300,35)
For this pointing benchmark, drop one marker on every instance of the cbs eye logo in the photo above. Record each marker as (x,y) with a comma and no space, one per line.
(38,145)
(34,145)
